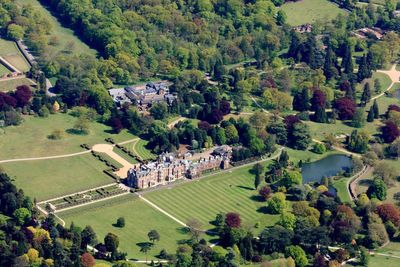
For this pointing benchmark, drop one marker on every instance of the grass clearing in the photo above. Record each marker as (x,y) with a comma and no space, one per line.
(382,77)
(67,41)
(59,176)
(19,62)
(320,130)
(341,188)
(140,218)
(10,52)
(393,248)
(306,155)
(124,155)
(309,11)
(3,70)
(11,84)
(30,139)
(220,193)
(378,261)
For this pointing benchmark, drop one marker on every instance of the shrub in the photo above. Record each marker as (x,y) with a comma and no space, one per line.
(120,222)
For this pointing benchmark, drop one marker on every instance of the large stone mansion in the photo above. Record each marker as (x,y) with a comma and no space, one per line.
(168,168)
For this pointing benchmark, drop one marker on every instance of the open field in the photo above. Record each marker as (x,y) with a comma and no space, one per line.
(30,139)
(10,52)
(124,155)
(59,176)
(393,248)
(10,85)
(66,39)
(306,155)
(309,11)
(379,261)
(220,193)
(139,147)
(140,219)
(320,130)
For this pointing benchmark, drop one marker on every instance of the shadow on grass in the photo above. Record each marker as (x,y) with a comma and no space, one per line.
(257,198)
(144,244)
(263,210)
(245,187)
(183,230)
(365,182)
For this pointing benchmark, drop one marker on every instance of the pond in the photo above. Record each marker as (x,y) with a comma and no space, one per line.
(326,167)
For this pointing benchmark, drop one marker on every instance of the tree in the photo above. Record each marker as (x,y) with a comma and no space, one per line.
(87,260)
(385,172)
(330,70)
(195,226)
(371,114)
(364,70)
(81,125)
(120,222)
(275,239)
(159,111)
(318,100)
(299,136)
(377,86)
(22,215)
(377,189)
(359,119)
(301,100)
(281,17)
(345,107)
(389,212)
(291,178)
(364,257)
(111,241)
(265,192)
(366,95)
(319,148)
(376,109)
(320,115)
(390,132)
(232,220)
(377,235)
(347,62)
(277,203)
(15,32)
(145,248)
(88,237)
(153,236)
(298,254)
(23,95)
(259,120)
(257,169)
(287,220)
(358,141)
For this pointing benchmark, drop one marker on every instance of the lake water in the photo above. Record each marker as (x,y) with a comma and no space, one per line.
(326,167)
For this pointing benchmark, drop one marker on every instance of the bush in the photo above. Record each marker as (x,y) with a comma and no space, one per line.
(56,135)
(120,222)
(319,148)
(44,112)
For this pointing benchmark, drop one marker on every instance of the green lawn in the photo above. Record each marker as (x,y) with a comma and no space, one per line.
(306,155)
(3,70)
(383,78)
(139,147)
(320,130)
(44,179)
(140,218)
(341,188)
(309,11)
(66,39)
(10,52)
(393,248)
(10,85)
(379,261)
(124,155)
(30,139)
(231,191)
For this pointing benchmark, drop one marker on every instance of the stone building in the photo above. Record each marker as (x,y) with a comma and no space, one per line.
(168,169)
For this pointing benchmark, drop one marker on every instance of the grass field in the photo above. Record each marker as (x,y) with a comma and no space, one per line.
(306,155)
(341,188)
(383,78)
(10,85)
(124,155)
(10,52)
(139,220)
(59,176)
(379,261)
(393,248)
(139,147)
(30,139)
(224,192)
(3,70)
(309,11)
(67,40)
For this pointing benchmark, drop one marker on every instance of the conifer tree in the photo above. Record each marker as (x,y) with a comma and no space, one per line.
(371,115)
(376,109)
(329,66)
(364,70)
(366,95)
(320,115)
(347,63)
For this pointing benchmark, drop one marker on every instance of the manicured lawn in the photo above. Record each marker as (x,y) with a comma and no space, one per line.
(140,218)
(124,155)
(30,139)
(306,155)
(44,179)
(379,261)
(384,102)
(10,85)
(320,130)
(309,11)
(10,52)
(232,191)
(66,39)
(383,78)
(3,70)
(393,248)
(8,48)
(139,147)
(19,62)
(341,188)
